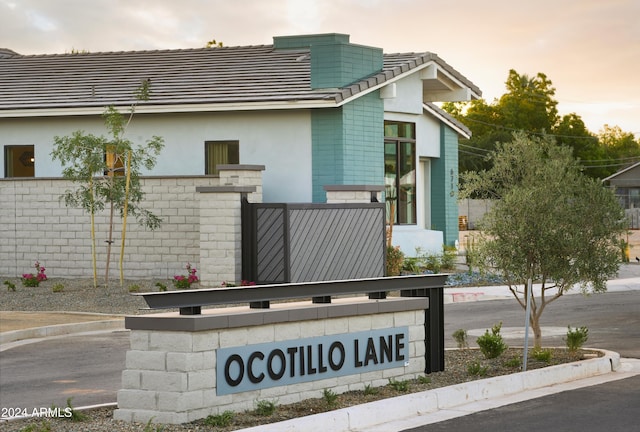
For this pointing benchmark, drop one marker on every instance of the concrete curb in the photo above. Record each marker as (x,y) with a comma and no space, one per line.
(374,414)
(60,329)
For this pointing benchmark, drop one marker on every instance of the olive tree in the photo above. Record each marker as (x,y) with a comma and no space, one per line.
(107,172)
(549,223)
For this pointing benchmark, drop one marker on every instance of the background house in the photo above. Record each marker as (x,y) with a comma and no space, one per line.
(626,184)
(314,110)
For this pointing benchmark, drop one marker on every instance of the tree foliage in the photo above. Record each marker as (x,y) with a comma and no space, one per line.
(549,223)
(529,105)
(97,164)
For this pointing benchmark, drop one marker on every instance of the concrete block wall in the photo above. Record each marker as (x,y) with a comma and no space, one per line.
(170,376)
(340,194)
(36,225)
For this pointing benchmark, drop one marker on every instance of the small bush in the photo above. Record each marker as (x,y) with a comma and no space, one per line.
(576,338)
(401,386)
(33,280)
(265,408)
(330,397)
(491,344)
(10,285)
(44,426)
(460,336)
(433,263)
(57,288)
(476,369)
(543,355)
(424,379)
(134,288)
(370,390)
(76,416)
(149,427)
(513,362)
(161,286)
(395,258)
(220,420)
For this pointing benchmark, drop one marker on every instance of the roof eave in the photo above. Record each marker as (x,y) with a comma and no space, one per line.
(172,108)
(458,127)
(355,91)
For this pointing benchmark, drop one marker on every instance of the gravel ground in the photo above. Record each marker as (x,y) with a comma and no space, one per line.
(78,295)
(81,296)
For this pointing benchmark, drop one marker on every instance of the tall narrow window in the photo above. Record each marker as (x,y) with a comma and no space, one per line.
(400,170)
(19,161)
(220,153)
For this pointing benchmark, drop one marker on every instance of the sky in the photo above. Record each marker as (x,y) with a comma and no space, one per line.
(589,49)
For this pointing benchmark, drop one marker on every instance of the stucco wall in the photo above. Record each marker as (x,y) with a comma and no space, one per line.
(280,140)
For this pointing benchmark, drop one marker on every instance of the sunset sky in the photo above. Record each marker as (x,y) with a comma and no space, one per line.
(589,49)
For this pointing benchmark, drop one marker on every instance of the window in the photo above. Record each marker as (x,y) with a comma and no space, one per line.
(220,153)
(114,162)
(400,171)
(19,161)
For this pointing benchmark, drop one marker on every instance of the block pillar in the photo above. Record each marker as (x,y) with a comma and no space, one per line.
(221,222)
(338,194)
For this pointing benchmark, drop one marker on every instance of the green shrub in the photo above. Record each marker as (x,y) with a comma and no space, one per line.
(134,288)
(395,258)
(460,336)
(412,265)
(220,420)
(476,369)
(543,355)
(401,386)
(449,255)
(161,286)
(433,263)
(370,390)
(76,416)
(513,362)
(57,288)
(576,338)
(149,427)
(44,426)
(330,397)
(422,379)
(266,408)
(10,285)
(491,344)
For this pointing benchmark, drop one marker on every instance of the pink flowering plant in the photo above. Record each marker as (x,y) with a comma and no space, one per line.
(184,282)
(33,280)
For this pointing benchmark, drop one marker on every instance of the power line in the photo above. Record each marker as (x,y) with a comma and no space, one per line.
(529,132)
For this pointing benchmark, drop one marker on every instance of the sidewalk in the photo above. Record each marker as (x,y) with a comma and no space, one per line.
(20,326)
(628,280)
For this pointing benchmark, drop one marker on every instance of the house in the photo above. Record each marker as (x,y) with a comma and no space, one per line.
(627,188)
(315,110)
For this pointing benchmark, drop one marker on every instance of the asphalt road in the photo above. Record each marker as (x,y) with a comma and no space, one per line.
(611,407)
(613,320)
(88,368)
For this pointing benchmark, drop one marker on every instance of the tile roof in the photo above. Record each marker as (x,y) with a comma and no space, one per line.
(229,75)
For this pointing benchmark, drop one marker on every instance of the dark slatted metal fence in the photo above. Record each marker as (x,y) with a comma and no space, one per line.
(312,242)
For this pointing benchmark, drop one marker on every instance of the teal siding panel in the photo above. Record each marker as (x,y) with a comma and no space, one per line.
(364,141)
(348,145)
(338,65)
(444,187)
